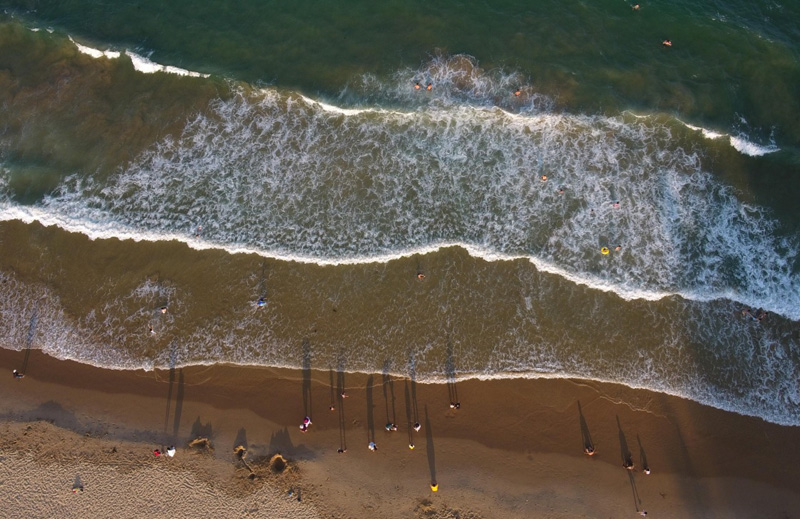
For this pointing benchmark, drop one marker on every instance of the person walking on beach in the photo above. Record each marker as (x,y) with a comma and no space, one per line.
(17,374)
(372,446)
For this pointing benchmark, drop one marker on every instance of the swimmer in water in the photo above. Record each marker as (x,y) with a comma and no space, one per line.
(618,248)
(420,275)
(543,178)
(416,86)
(635,7)
(429,87)
(517,92)
(666,43)
(261,302)
(164,309)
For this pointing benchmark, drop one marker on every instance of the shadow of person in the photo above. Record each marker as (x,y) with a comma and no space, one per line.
(625,452)
(388,395)
(29,337)
(176,423)
(627,462)
(450,372)
(340,389)
(431,452)
(643,456)
(586,437)
(333,390)
(409,424)
(307,378)
(370,417)
(77,484)
(169,400)
(412,375)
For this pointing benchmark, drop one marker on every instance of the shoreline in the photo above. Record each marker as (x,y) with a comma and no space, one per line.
(437,381)
(34,215)
(513,449)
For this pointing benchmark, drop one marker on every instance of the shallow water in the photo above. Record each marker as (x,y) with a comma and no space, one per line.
(327,182)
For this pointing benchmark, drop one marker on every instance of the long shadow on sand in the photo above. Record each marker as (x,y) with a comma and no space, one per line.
(178,405)
(409,424)
(340,391)
(450,372)
(370,417)
(627,462)
(307,378)
(32,326)
(430,449)
(388,395)
(586,437)
(412,375)
(643,456)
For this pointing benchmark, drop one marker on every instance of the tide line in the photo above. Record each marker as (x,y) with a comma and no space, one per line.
(140,63)
(110,230)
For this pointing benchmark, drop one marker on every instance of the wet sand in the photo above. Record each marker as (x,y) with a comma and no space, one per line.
(513,449)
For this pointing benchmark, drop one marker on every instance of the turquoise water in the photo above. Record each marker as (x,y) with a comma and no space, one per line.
(292,139)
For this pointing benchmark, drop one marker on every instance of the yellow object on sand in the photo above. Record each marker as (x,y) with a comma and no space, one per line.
(435,487)
(604,250)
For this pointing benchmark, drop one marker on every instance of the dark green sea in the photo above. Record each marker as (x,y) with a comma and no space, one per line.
(580,199)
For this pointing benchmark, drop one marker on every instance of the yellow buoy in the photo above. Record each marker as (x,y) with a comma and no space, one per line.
(604,250)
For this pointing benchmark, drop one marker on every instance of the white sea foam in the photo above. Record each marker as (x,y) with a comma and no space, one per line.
(738,142)
(146,66)
(95,53)
(749,148)
(140,63)
(297,181)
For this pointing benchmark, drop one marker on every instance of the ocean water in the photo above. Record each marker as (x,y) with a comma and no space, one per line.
(200,156)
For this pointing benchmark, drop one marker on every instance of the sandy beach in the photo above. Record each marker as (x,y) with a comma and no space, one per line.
(78,441)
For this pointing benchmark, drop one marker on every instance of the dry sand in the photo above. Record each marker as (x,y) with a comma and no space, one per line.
(513,449)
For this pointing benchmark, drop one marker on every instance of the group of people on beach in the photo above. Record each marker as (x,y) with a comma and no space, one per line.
(169,452)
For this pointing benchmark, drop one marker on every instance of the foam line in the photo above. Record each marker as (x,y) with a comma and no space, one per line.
(739,143)
(95,53)
(145,66)
(96,231)
(140,63)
